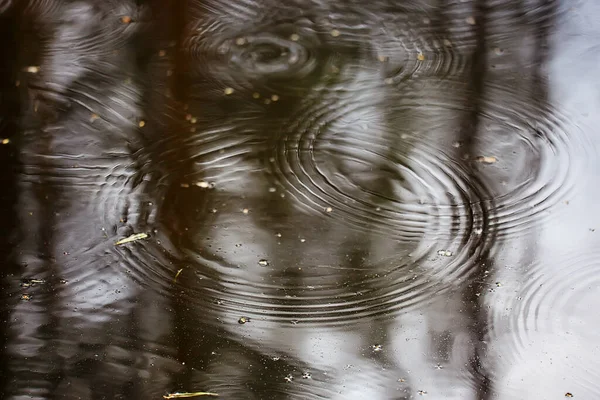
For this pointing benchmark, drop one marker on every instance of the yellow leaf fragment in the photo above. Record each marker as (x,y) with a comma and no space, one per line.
(132,238)
(177,275)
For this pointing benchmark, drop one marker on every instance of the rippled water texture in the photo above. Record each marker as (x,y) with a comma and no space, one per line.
(324,199)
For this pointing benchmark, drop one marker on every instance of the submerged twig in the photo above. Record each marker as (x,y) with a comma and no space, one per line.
(187,395)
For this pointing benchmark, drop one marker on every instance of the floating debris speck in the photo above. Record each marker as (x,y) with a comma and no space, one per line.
(5,141)
(25,297)
(306,375)
(32,69)
(445,253)
(421,57)
(335,33)
(289,378)
(486,159)
(126,19)
(422,392)
(184,395)
(132,238)
(328,209)
(376,347)
(228,91)
(243,320)
(568,394)
(203,184)
(294,37)
(471,20)
(264,263)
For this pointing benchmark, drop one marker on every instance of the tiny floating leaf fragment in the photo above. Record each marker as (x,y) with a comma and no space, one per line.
(486,159)
(132,238)
(189,394)
(177,275)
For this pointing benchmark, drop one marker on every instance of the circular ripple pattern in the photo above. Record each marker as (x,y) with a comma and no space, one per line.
(432,174)
(421,196)
(554,309)
(552,151)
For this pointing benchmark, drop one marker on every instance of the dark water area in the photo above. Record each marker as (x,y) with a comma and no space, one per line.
(325,199)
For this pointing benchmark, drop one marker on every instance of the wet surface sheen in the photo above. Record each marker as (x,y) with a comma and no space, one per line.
(319,199)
